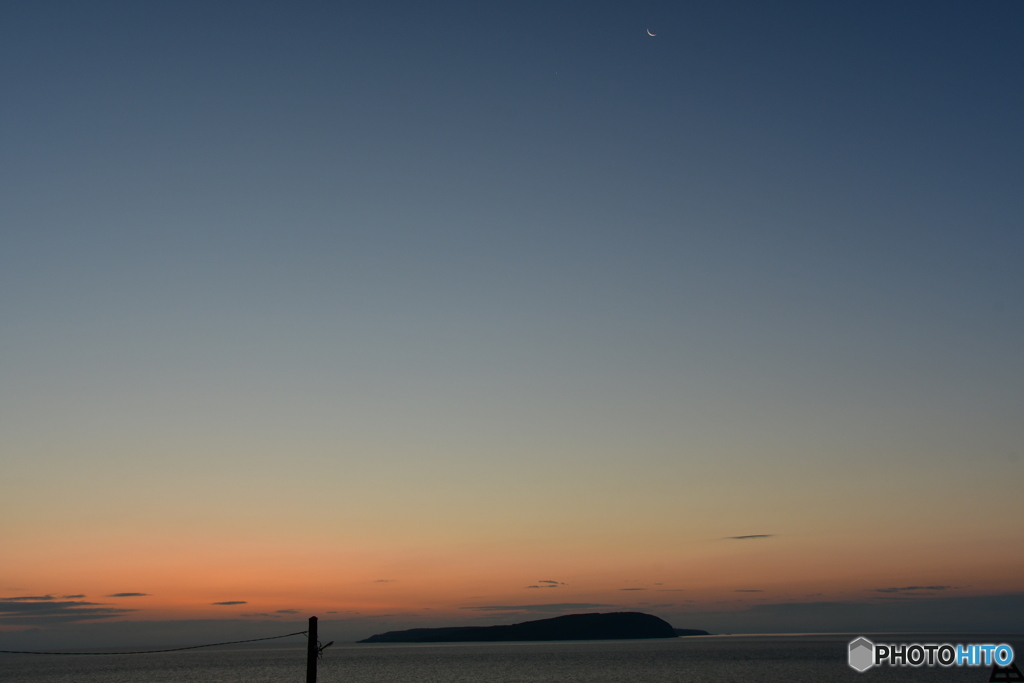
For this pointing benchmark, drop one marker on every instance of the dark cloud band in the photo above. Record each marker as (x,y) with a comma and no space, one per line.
(26,611)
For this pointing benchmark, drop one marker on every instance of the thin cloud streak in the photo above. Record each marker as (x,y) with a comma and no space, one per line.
(31,598)
(749,537)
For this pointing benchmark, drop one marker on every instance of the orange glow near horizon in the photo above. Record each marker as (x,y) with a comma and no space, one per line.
(184,579)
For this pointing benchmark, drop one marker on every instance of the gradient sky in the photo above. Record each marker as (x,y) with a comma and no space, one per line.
(406,308)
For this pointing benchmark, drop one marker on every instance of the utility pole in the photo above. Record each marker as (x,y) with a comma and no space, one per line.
(312,651)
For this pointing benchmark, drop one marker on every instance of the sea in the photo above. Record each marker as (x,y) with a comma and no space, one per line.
(699,659)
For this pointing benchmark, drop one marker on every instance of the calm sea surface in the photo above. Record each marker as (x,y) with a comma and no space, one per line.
(712,659)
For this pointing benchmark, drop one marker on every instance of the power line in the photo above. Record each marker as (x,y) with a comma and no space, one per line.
(150,652)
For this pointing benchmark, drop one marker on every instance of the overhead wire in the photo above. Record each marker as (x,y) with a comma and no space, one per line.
(150,652)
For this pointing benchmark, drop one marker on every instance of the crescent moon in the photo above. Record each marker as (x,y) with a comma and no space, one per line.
(651,34)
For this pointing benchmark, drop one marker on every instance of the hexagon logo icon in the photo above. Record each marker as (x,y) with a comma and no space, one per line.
(862,654)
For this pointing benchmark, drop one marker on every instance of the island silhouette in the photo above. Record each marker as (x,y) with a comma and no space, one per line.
(596,626)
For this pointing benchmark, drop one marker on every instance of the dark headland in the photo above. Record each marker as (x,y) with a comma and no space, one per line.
(611,626)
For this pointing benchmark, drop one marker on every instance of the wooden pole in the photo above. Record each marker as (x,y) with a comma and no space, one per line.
(312,650)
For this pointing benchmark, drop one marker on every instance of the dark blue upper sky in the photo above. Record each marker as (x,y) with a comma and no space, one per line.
(807,159)
(789,183)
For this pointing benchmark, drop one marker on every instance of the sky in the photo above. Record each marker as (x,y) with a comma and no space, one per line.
(428,314)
